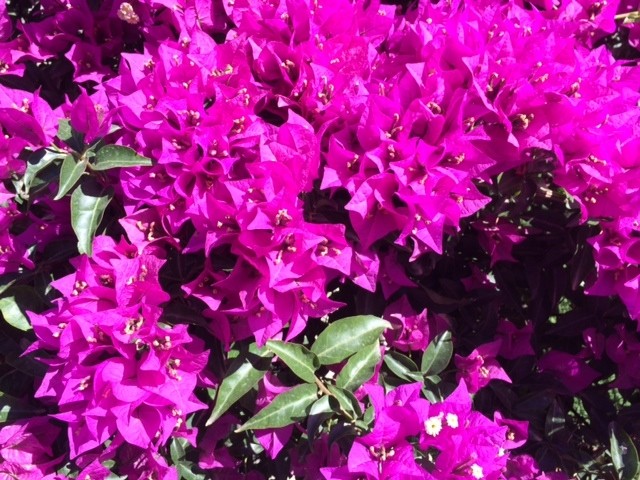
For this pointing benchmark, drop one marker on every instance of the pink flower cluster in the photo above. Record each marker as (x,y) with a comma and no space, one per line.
(301,147)
(457,441)
(119,372)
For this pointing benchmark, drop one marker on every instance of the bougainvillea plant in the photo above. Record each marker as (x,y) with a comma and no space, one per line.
(319,239)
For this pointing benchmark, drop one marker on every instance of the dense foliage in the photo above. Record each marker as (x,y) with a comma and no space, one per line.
(321,239)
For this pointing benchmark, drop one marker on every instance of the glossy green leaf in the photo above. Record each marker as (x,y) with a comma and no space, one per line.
(244,373)
(285,409)
(623,453)
(13,314)
(88,203)
(117,156)
(347,401)
(402,366)
(297,357)
(359,368)
(70,173)
(37,163)
(438,355)
(347,336)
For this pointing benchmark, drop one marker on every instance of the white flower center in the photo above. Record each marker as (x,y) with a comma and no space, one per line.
(433,426)
(452,420)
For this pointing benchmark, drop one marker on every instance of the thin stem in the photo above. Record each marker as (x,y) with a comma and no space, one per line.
(633,16)
(326,391)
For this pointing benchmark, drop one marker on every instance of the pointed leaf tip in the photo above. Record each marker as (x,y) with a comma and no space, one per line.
(244,373)
(287,408)
(347,336)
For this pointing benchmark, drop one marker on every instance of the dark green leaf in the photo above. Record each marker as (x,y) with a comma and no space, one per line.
(14,409)
(623,453)
(7,280)
(432,391)
(70,173)
(318,413)
(71,137)
(287,408)
(88,203)
(438,355)
(297,357)
(359,368)
(244,373)
(116,156)
(342,431)
(347,336)
(402,366)
(554,422)
(347,401)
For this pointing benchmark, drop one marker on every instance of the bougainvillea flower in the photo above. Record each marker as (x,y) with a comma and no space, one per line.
(26,449)
(480,366)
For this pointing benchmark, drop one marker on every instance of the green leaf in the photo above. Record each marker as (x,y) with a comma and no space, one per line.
(13,314)
(113,476)
(185,469)
(438,355)
(7,280)
(285,409)
(88,203)
(297,357)
(402,366)
(68,135)
(359,368)
(344,337)
(177,449)
(342,431)
(348,402)
(116,156)
(12,409)
(318,413)
(623,453)
(246,370)
(365,422)
(555,419)
(70,173)
(37,162)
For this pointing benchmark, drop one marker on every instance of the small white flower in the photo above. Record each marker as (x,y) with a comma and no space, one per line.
(433,426)
(127,14)
(452,420)
(476,471)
